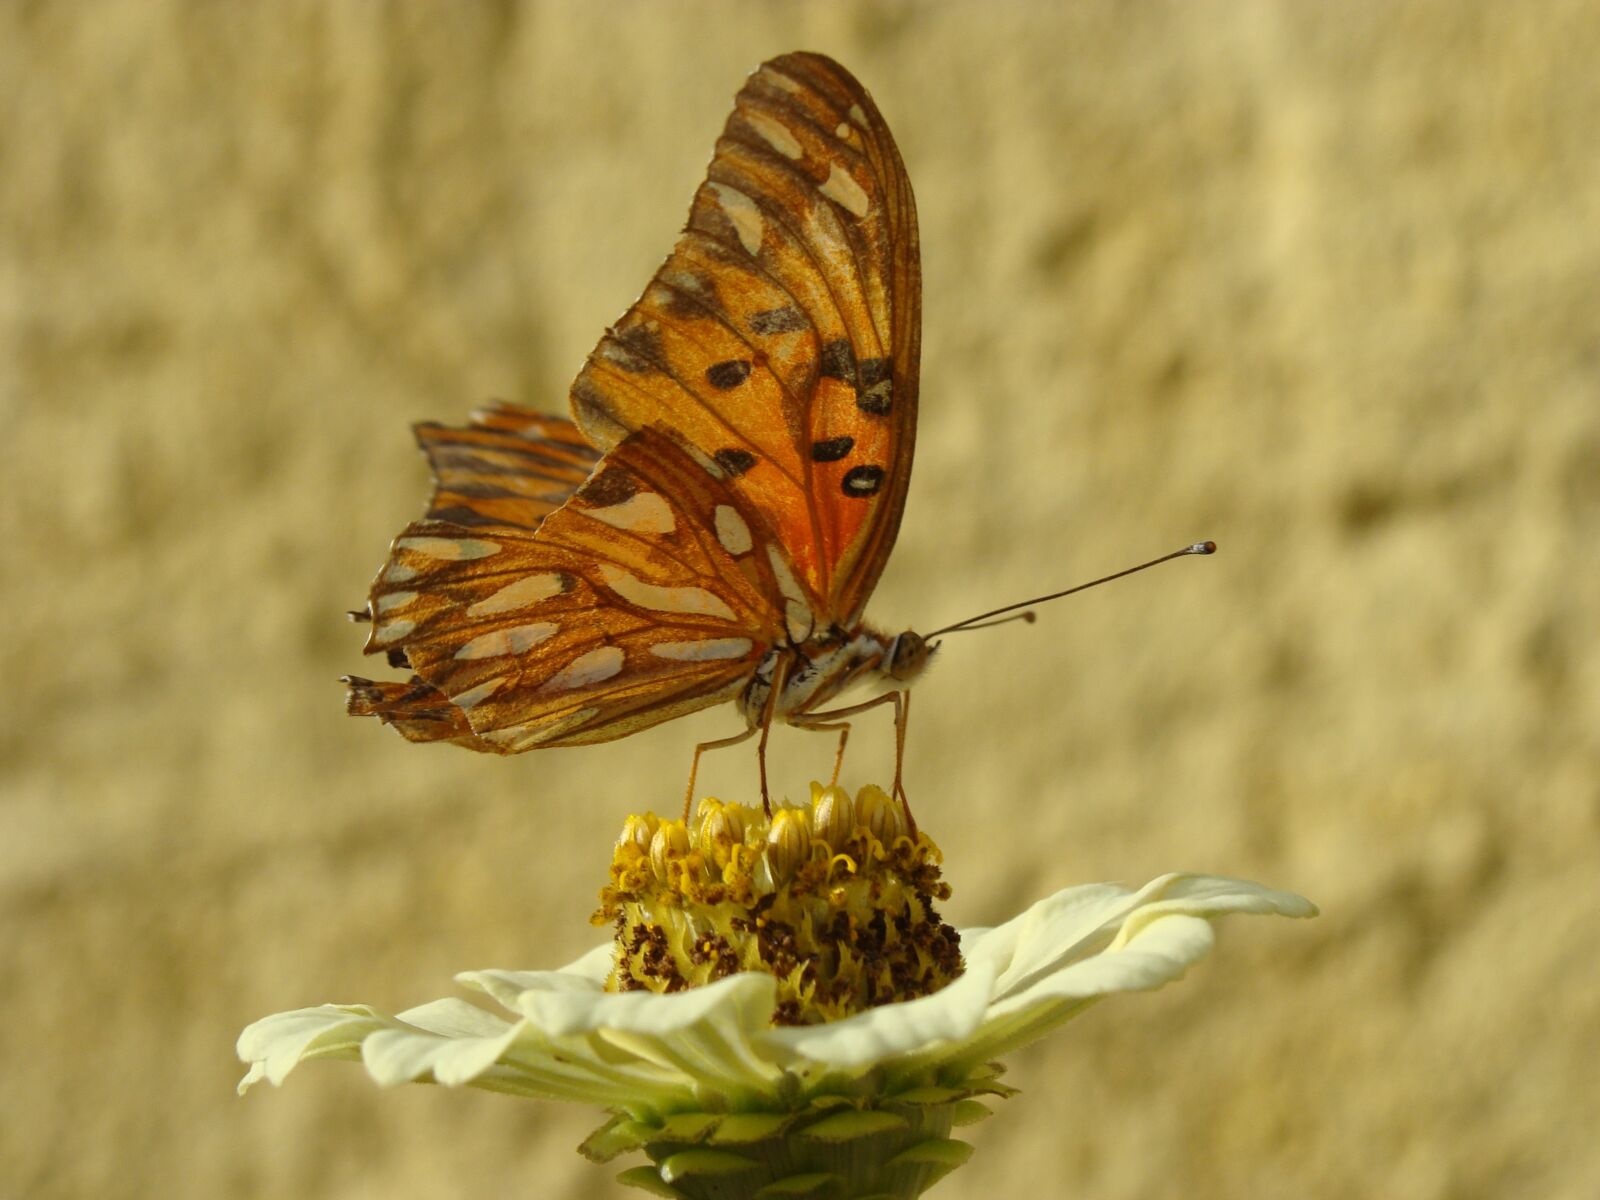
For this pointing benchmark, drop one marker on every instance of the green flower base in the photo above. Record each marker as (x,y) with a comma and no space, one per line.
(835,1148)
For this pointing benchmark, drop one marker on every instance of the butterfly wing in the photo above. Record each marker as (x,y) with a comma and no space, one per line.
(417,709)
(780,341)
(509,466)
(646,596)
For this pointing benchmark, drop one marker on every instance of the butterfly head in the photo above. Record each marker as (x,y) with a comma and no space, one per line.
(908,656)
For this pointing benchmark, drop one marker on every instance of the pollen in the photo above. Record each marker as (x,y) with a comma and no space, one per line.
(835,898)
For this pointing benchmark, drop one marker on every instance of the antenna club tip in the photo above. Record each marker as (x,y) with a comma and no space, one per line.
(1203,548)
(1030,616)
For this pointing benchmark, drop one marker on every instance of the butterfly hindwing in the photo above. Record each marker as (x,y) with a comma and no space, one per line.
(648,595)
(781,337)
(417,709)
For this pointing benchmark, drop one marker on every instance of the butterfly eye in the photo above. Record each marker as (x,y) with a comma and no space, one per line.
(908,655)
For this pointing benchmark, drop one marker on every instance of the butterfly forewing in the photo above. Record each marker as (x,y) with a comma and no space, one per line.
(780,339)
(648,595)
(508,467)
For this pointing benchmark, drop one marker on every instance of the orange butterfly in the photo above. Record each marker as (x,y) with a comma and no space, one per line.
(711,523)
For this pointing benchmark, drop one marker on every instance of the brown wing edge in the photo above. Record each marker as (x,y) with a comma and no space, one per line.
(416,710)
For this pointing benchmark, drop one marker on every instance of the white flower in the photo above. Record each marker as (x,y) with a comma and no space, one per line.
(715,1048)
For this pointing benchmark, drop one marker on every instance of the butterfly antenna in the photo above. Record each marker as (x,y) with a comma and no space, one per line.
(983,621)
(1030,617)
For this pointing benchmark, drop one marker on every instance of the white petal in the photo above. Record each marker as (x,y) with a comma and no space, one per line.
(949,1015)
(275,1045)
(572,1040)
(1060,960)
(452,1017)
(705,1032)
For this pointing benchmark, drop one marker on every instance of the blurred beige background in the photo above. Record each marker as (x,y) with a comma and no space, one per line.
(1321,282)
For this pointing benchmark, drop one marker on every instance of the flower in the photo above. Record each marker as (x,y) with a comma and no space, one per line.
(834,899)
(738,1075)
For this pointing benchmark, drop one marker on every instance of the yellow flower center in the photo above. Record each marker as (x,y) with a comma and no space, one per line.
(833,898)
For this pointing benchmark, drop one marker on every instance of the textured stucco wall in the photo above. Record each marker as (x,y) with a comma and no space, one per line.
(1317,281)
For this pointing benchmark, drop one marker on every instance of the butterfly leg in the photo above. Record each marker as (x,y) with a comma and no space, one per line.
(694,763)
(763,727)
(780,676)
(828,720)
(843,729)
(902,714)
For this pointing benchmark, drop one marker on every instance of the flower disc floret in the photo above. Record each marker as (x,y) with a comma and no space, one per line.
(835,899)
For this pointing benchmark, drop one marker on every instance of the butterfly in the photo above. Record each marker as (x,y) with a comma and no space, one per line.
(711,522)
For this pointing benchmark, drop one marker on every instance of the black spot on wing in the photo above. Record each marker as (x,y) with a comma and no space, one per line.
(690,295)
(831,450)
(528,459)
(589,403)
(460,514)
(611,485)
(636,349)
(734,461)
(838,361)
(788,319)
(730,374)
(862,481)
(875,386)
(486,491)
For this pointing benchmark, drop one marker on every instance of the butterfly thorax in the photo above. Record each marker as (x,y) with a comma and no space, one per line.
(825,665)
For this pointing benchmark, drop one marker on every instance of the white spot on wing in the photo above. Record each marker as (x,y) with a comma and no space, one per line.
(691,601)
(644,512)
(512,640)
(449,549)
(398,572)
(708,650)
(392,631)
(776,135)
(797,616)
(595,666)
(523,737)
(787,583)
(517,595)
(798,620)
(732,531)
(841,186)
(706,463)
(843,132)
(744,214)
(683,281)
(477,695)
(779,79)
(859,117)
(394,600)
